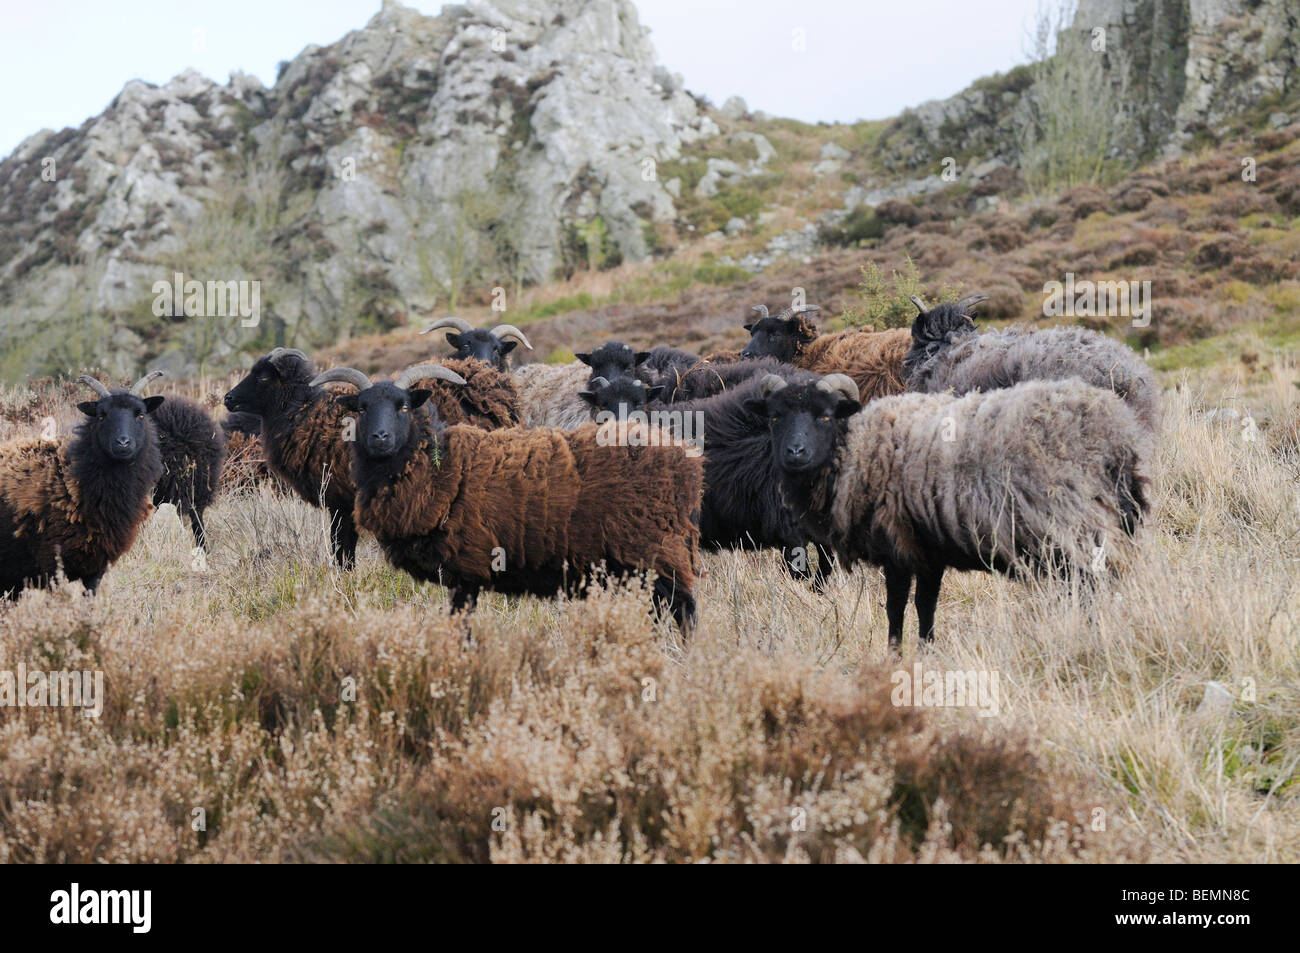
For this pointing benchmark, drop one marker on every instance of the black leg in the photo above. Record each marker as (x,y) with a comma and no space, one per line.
(196,524)
(463,599)
(677,601)
(898,582)
(796,561)
(825,566)
(927,596)
(91,583)
(343,536)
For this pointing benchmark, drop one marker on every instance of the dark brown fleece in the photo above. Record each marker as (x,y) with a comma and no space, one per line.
(873,359)
(45,517)
(550,499)
(312,451)
(487,400)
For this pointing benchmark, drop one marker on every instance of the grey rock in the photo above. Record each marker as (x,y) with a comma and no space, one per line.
(734,108)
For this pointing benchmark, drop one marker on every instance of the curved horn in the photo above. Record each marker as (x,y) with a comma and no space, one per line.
(137,389)
(807,309)
(920,305)
(507,331)
(965,304)
(597,382)
(760,310)
(95,385)
(424,371)
(348,375)
(839,383)
(279,352)
(770,384)
(460,324)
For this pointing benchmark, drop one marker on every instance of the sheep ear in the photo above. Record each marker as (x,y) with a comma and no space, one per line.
(584,356)
(153,403)
(640,357)
(419,396)
(588,396)
(508,346)
(347,401)
(453,339)
(89,407)
(749,327)
(654,393)
(847,408)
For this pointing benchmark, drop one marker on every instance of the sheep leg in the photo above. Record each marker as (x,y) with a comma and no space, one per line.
(676,600)
(463,599)
(91,583)
(927,597)
(898,582)
(196,524)
(825,566)
(796,561)
(343,537)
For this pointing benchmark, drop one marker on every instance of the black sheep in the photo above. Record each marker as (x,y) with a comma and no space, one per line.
(78,504)
(492,346)
(193,450)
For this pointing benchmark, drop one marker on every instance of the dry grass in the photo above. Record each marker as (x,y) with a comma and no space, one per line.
(315,715)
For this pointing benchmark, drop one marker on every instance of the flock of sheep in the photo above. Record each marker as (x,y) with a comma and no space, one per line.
(1022,451)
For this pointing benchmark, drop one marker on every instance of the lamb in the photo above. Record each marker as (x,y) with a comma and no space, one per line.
(548,395)
(79,504)
(193,450)
(873,359)
(302,435)
(518,511)
(1047,476)
(742,504)
(947,354)
(490,346)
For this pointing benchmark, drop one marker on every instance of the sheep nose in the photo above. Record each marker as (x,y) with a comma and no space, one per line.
(796,451)
(383,436)
(123,441)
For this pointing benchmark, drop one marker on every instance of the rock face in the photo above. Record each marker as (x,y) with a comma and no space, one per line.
(411,161)
(1192,64)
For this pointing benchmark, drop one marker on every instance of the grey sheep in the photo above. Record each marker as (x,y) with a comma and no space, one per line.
(548,395)
(1044,477)
(948,354)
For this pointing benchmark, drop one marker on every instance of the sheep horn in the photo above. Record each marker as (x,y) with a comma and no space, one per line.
(279,352)
(806,309)
(95,385)
(348,375)
(424,371)
(760,310)
(965,304)
(769,385)
(460,324)
(920,305)
(597,382)
(137,389)
(505,332)
(838,384)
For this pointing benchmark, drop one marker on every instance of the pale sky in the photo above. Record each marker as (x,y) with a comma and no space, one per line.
(62,61)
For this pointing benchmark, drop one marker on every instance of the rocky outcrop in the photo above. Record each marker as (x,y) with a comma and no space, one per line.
(410,161)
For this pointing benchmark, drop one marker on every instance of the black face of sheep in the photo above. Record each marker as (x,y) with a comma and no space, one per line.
(492,346)
(805,420)
(613,359)
(777,337)
(385,410)
(627,393)
(937,327)
(117,423)
(271,382)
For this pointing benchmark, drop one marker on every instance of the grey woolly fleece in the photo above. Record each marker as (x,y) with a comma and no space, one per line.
(1030,477)
(548,395)
(961,361)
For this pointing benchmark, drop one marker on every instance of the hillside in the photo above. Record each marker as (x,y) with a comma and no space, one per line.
(534,156)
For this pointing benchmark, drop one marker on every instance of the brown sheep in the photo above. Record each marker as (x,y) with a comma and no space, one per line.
(520,511)
(487,400)
(871,359)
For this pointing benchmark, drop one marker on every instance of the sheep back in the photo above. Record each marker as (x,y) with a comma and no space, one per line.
(873,359)
(548,395)
(487,399)
(1002,358)
(193,448)
(1033,475)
